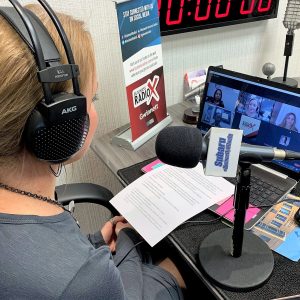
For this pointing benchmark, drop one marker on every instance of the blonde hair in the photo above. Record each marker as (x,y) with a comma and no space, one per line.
(20,90)
(284,125)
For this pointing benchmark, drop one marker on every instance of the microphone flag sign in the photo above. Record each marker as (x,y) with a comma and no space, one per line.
(140,41)
(223,151)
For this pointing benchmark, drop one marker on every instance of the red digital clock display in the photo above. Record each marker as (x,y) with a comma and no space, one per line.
(186,15)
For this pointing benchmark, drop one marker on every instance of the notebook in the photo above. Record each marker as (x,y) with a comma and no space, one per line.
(269,115)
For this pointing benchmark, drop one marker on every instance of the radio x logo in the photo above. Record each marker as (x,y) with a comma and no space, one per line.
(152,87)
(146,92)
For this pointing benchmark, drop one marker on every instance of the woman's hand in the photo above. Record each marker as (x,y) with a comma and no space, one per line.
(121,225)
(109,233)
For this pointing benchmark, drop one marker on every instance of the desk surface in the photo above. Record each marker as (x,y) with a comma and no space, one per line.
(285,279)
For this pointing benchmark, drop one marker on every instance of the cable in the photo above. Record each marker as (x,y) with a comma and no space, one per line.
(210,221)
(289,198)
(129,252)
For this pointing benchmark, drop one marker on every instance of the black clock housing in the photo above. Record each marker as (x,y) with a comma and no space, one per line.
(177,16)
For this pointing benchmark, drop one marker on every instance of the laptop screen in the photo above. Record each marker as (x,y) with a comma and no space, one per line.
(267,112)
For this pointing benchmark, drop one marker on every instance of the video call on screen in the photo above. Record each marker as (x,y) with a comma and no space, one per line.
(268,116)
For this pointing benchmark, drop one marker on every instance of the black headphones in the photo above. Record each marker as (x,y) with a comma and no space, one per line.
(59,124)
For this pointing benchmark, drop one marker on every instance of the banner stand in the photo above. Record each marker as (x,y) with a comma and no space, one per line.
(124,139)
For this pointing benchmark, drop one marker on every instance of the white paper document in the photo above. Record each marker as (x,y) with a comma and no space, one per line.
(159,201)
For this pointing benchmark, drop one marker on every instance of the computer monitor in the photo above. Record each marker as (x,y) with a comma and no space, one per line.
(267,112)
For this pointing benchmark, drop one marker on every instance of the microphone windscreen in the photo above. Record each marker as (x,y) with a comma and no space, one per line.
(292,15)
(179,146)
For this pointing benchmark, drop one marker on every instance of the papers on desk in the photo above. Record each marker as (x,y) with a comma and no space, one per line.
(159,201)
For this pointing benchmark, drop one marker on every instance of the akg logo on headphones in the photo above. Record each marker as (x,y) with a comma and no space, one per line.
(61,73)
(69,110)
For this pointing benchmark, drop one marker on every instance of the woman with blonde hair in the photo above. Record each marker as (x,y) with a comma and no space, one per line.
(252,107)
(43,253)
(289,122)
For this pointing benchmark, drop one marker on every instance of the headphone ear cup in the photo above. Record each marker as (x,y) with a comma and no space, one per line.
(58,142)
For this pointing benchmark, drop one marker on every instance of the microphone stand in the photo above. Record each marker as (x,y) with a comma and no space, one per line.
(288,50)
(234,258)
(241,204)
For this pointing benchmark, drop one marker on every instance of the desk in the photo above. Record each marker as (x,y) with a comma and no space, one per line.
(186,239)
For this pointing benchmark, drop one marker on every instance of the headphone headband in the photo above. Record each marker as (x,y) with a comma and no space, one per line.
(64,40)
(39,41)
(49,49)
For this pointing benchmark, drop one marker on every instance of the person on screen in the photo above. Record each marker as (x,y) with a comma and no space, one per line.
(217,98)
(217,118)
(44,255)
(239,105)
(289,122)
(252,107)
(240,108)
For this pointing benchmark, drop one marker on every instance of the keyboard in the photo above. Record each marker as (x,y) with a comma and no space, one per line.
(262,193)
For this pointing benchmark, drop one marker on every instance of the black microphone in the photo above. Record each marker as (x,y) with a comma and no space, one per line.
(182,146)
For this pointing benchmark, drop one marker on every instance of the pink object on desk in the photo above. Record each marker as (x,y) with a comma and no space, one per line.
(227,206)
(154,165)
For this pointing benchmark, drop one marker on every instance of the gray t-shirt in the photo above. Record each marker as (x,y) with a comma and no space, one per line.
(49,258)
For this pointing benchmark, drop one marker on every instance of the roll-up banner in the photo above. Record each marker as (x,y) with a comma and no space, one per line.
(140,42)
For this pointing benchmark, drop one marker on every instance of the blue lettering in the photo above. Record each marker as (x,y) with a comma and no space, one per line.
(227,152)
(220,153)
(223,153)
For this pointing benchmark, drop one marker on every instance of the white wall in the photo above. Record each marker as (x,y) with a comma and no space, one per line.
(244,48)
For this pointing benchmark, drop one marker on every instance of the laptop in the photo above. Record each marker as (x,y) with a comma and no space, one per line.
(269,115)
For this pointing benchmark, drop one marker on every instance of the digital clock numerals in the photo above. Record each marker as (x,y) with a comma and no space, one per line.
(197,16)
(168,19)
(222,15)
(203,10)
(264,9)
(260,7)
(218,14)
(244,11)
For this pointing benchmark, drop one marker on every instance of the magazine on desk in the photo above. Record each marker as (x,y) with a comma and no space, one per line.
(161,200)
(279,230)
